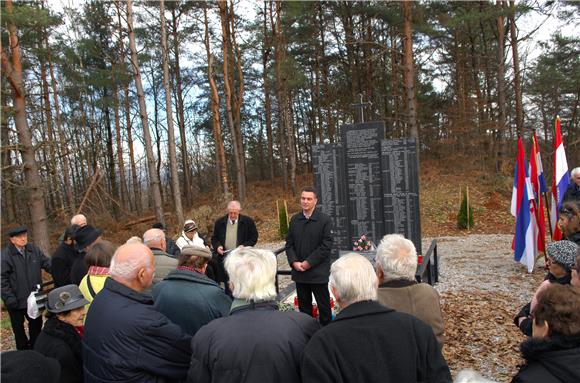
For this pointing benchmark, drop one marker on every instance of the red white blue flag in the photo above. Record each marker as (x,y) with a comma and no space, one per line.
(526,231)
(560,181)
(539,187)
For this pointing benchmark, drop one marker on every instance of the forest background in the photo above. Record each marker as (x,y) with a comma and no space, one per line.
(159,111)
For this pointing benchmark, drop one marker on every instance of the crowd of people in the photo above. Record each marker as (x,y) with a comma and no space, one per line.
(198,310)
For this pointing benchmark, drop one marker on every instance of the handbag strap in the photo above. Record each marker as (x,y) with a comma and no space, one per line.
(90,286)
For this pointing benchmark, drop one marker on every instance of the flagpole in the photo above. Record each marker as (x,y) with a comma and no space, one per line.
(548,211)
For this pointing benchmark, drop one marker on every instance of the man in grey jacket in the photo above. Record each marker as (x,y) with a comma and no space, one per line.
(164,263)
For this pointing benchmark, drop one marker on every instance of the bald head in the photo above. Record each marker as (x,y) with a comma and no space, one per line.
(154,238)
(133,265)
(79,219)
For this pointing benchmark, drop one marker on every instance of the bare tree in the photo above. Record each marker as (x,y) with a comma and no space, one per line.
(153,178)
(12,69)
(500,86)
(169,114)
(215,111)
(233,101)
(516,63)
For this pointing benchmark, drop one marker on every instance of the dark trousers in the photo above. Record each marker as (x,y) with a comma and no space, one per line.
(34,327)
(223,275)
(304,292)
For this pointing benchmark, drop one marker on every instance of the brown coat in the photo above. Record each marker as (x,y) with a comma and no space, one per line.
(418,299)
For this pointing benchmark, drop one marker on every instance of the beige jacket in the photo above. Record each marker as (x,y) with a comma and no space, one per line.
(418,299)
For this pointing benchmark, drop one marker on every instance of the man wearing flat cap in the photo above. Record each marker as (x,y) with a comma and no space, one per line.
(21,274)
(187,296)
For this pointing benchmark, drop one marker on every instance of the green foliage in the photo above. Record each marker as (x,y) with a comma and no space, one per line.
(282,218)
(463,221)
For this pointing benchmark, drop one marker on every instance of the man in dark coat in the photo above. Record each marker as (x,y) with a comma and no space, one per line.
(64,257)
(187,296)
(256,343)
(368,342)
(20,275)
(126,339)
(573,191)
(230,231)
(308,246)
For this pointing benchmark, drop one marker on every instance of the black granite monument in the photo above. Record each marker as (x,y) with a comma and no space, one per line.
(368,185)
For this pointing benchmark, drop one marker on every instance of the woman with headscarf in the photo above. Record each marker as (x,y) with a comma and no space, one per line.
(560,258)
(59,337)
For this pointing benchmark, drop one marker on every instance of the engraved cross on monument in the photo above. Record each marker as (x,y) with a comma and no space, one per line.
(361,106)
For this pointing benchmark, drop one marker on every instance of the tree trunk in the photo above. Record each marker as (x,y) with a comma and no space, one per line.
(410,73)
(12,69)
(64,149)
(144,120)
(169,114)
(230,102)
(500,88)
(128,125)
(221,163)
(516,63)
(285,118)
(181,116)
(266,50)
(52,145)
(120,160)
(7,198)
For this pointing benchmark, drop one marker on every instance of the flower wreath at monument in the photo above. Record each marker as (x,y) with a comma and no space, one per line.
(363,244)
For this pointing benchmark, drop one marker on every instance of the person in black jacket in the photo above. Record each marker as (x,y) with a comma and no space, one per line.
(20,275)
(573,191)
(368,342)
(64,257)
(553,353)
(308,246)
(257,342)
(59,338)
(126,339)
(85,236)
(230,231)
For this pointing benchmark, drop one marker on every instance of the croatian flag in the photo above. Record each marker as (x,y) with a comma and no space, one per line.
(560,181)
(525,237)
(539,187)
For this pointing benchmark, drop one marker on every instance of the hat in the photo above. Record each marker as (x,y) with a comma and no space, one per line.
(563,253)
(158,225)
(65,298)
(189,225)
(70,231)
(17,231)
(196,251)
(29,366)
(86,235)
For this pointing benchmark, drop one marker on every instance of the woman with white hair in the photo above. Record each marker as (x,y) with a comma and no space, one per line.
(256,343)
(396,264)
